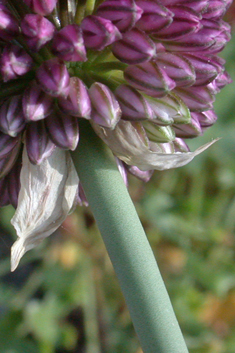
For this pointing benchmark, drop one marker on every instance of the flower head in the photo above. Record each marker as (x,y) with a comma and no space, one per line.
(144,73)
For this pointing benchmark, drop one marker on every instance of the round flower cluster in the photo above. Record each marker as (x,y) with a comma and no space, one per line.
(143,72)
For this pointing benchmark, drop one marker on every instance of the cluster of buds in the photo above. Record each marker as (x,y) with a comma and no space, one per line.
(144,73)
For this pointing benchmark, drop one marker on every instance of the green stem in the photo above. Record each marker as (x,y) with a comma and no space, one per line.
(129,250)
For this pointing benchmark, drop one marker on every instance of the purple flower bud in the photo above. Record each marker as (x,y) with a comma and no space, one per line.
(62,130)
(197,98)
(13,184)
(199,6)
(99,32)
(14,62)
(41,7)
(206,118)
(133,104)
(211,38)
(105,108)
(53,78)
(150,78)
(135,47)
(78,101)
(178,68)
(36,103)
(185,21)
(220,31)
(190,130)
(68,44)
(206,69)
(12,120)
(144,175)
(38,144)
(9,160)
(37,31)
(222,80)
(154,17)
(123,13)
(7,144)
(215,9)
(180,145)
(9,28)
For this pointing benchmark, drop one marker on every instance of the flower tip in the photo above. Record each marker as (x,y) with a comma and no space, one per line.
(17,252)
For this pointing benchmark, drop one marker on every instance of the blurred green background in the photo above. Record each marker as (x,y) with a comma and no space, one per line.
(64,297)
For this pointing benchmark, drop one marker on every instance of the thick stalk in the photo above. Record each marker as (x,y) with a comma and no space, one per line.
(129,250)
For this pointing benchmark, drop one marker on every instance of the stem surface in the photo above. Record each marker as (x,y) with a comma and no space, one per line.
(129,250)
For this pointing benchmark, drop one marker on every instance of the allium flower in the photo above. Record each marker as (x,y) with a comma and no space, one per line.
(144,73)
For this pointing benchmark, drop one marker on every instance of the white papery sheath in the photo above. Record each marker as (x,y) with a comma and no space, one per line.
(48,192)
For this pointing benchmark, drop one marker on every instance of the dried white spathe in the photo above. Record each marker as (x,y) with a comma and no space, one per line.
(48,192)
(128,145)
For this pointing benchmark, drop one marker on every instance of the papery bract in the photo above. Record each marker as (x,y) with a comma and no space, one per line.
(46,197)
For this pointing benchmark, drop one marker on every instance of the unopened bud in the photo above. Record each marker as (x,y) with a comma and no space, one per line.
(14,62)
(37,31)
(105,108)
(68,44)
(12,120)
(99,32)
(53,78)
(63,130)
(135,47)
(78,101)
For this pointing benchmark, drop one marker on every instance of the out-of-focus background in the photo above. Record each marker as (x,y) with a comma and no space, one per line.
(64,297)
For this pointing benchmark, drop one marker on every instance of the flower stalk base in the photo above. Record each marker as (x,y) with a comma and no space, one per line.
(129,250)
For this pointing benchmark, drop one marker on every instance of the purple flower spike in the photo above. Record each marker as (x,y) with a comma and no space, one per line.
(38,144)
(14,62)
(36,103)
(78,101)
(105,108)
(7,144)
(7,163)
(53,78)
(135,47)
(99,32)
(68,44)
(133,105)
(13,184)
(41,7)
(63,130)
(37,31)
(9,28)
(154,17)
(177,68)
(149,78)
(123,13)
(185,21)
(4,199)
(12,120)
